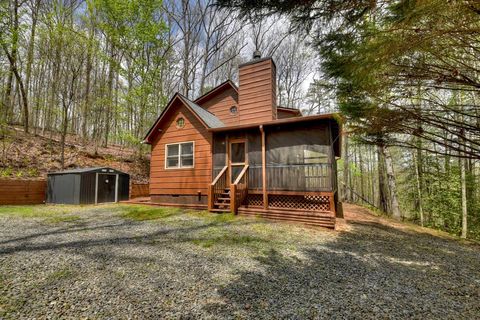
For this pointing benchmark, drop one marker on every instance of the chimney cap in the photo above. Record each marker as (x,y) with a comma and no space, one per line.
(257,54)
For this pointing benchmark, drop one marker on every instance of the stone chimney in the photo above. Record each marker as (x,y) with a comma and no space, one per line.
(257,92)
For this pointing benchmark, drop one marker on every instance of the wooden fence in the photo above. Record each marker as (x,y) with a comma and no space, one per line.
(20,192)
(138,190)
(17,192)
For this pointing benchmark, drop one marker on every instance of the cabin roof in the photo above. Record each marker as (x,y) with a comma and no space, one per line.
(326,116)
(208,119)
(287,109)
(218,89)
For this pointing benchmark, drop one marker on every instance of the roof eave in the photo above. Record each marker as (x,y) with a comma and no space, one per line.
(151,132)
(332,116)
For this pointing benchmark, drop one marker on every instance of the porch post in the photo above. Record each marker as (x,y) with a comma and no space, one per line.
(233,198)
(210,197)
(264,170)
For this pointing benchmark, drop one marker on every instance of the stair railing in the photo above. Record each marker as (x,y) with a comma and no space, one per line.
(239,190)
(217,187)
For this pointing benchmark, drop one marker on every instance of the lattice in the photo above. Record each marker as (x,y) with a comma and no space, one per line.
(253,200)
(307,202)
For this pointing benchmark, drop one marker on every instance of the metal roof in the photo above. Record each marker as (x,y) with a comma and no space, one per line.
(83,170)
(209,118)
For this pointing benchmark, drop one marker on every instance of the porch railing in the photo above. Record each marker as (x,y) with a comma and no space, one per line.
(239,190)
(217,187)
(294,177)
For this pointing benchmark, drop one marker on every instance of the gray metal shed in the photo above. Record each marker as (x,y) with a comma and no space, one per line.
(87,186)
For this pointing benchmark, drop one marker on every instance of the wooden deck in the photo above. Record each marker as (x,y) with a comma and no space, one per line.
(308,218)
(317,219)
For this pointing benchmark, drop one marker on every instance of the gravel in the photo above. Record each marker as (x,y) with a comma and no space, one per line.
(190,266)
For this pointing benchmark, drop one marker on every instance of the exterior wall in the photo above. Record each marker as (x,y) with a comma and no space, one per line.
(64,188)
(186,200)
(220,106)
(188,181)
(257,92)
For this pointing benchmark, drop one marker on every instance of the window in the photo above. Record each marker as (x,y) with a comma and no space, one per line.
(180,123)
(179,155)
(233,110)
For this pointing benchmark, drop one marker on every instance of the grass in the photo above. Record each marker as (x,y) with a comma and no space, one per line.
(227,240)
(50,213)
(143,213)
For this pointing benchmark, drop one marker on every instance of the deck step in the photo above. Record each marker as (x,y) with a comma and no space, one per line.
(222,204)
(222,198)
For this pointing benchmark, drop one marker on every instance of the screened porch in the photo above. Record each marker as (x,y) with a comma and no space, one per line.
(276,167)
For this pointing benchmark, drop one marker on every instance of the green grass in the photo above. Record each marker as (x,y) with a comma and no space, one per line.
(34,211)
(213,217)
(50,213)
(143,213)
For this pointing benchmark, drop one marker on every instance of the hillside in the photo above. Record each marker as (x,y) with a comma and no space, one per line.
(29,156)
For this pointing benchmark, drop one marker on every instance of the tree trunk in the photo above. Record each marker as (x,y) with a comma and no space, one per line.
(418,176)
(346,169)
(392,186)
(382,194)
(63,135)
(463,163)
(110,94)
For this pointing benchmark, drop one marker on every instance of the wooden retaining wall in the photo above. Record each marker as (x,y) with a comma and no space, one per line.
(138,190)
(18,192)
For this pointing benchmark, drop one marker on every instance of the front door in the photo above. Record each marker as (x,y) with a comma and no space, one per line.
(237,157)
(106,188)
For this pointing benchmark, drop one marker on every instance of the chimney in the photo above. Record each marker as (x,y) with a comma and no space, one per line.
(257,92)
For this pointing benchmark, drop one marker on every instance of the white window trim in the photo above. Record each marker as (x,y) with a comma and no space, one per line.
(179,155)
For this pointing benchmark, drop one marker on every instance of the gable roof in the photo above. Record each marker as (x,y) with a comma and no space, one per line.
(209,120)
(220,88)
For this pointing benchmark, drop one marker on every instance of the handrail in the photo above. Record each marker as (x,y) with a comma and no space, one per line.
(242,173)
(219,175)
(239,190)
(216,188)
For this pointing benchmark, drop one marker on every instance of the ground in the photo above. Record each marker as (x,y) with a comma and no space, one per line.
(32,156)
(127,261)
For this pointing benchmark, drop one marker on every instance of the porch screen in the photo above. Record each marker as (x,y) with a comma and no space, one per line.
(219,154)
(299,158)
(254,142)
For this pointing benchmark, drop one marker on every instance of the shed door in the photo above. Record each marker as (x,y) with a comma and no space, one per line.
(106,188)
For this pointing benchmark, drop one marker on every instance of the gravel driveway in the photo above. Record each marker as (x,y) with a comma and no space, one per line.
(120,261)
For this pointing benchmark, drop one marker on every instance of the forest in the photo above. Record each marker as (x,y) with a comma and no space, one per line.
(403,74)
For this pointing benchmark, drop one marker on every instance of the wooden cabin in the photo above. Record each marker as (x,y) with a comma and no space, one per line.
(234,150)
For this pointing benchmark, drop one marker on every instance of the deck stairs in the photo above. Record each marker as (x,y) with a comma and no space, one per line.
(222,205)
